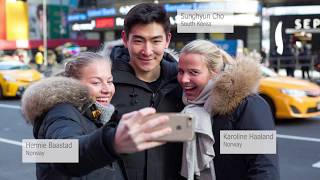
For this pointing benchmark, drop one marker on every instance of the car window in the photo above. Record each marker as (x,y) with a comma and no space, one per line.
(14,67)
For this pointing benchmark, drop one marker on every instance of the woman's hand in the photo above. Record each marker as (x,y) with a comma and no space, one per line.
(133,134)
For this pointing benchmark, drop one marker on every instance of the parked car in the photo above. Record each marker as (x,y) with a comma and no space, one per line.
(15,78)
(289,97)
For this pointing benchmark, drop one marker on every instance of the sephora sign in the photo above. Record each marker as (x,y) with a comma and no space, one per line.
(308,23)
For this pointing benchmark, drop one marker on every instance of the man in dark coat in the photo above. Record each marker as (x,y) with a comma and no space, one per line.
(145,76)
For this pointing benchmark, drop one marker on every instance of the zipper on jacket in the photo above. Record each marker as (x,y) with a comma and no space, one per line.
(133,96)
(152,99)
(154,93)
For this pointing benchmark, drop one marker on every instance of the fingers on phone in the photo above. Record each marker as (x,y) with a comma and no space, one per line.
(137,116)
(128,115)
(153,136)
(142,113)
(154,123)
(149,145)
(147,111)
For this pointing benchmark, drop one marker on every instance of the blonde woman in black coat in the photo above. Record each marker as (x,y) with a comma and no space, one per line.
(223,92)
(77,106)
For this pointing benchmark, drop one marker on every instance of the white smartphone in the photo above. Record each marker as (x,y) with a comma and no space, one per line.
(182,126)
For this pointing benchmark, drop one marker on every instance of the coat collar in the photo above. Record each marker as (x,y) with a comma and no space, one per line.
(234,84)
(41,96)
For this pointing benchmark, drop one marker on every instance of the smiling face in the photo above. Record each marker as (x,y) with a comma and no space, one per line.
(146,44)
(97,76)
(193,74)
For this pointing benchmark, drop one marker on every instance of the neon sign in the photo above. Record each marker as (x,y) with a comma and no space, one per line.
(77,17)
(105,23)
(83,26)
(101,12)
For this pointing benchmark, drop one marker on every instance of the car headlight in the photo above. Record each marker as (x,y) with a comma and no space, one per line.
(9,78)
(294,92)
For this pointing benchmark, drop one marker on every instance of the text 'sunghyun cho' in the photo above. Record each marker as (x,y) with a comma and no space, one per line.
(198,19)
(204,21)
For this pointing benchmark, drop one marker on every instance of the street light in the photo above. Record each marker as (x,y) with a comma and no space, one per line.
(45,46)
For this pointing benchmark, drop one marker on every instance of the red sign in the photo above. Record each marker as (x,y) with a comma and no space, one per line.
(2,19)
(105,23)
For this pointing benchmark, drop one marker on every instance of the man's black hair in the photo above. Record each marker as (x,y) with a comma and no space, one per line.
(39,9)
(146,13)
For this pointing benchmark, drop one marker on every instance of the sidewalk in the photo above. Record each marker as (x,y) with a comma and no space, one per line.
(298,74)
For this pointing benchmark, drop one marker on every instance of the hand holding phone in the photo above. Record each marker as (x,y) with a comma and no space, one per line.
(134,134)
(182,126)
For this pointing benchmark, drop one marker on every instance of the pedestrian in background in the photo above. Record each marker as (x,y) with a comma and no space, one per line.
(289,59)
(305,61)
(52,58)
(39,59)
(52,61)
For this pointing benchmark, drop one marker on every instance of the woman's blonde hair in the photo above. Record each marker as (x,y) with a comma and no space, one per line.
(214,57)
(74,65)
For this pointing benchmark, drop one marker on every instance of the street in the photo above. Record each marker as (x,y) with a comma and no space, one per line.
(12,130)
(298,146)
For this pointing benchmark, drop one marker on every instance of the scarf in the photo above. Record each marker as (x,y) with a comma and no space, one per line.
(198,154)
(106,112)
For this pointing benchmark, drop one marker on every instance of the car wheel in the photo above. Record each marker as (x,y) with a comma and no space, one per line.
(271,104)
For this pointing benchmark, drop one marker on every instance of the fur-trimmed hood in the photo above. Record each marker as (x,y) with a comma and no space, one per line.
(235,83)
(41,96)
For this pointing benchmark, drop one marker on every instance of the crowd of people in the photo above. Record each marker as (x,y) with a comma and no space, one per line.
(137,80)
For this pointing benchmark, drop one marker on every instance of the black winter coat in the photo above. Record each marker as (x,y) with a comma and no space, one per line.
(237,106)
(160,163)
(54,112)
(253,114)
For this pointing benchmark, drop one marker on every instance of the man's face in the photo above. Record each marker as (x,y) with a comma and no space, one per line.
(146,44)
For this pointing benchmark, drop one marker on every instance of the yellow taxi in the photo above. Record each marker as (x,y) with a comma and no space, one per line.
(15,77)
(289,97)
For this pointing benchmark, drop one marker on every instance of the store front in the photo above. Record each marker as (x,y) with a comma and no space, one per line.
(291,35)
(247,21)
(297,31)
(295,25)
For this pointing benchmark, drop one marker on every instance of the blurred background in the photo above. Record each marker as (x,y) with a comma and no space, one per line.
(36,36)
